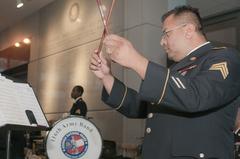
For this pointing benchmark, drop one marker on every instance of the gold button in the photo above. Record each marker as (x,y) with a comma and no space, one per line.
(148,130)
(201,155)
(150,115)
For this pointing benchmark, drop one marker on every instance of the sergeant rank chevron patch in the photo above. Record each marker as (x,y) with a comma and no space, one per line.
(222,67)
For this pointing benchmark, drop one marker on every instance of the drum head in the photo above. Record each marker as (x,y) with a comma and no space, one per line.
(74,138)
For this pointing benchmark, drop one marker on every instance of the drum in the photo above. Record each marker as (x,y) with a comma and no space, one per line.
(74,137)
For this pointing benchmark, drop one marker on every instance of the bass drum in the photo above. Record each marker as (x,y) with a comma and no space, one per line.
(74,137)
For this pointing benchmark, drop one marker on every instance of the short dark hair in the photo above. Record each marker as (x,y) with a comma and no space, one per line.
(192,13)
(79,89)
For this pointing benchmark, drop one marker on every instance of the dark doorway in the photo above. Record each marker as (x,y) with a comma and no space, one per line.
(224,29)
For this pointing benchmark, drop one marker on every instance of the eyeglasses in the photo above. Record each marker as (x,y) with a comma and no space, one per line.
(166,33)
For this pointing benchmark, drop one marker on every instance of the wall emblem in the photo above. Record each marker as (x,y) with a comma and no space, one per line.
(74,12)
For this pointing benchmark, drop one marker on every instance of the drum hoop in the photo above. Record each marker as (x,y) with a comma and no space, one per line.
(74,116)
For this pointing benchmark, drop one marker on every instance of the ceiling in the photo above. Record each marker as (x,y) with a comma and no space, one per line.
(9,14)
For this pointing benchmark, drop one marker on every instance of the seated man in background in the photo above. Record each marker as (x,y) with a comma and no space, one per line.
(79,107)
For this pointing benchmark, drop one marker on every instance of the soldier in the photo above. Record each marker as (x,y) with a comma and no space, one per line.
(79,106)
(194,104)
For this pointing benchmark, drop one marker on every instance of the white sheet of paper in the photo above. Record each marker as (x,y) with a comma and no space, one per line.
(15,99)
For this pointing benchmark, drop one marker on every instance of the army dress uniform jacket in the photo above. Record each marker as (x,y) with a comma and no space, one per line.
(193,106)
(79,104)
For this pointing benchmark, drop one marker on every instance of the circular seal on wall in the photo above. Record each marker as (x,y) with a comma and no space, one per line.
(74,12)
(74,137)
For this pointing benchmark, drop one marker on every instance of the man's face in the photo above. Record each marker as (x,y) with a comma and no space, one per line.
(172,39)
(75,93)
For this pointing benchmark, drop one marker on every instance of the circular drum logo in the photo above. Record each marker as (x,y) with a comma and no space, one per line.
(74,144)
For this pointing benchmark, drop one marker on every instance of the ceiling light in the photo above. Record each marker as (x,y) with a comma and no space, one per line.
(19,3)
(17,44)
(27,41)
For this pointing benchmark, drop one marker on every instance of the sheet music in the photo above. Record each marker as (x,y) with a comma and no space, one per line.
(6,99)
(15,98)
(28,101)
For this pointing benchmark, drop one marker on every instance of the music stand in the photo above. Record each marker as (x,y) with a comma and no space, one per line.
(10,128)
(19,109)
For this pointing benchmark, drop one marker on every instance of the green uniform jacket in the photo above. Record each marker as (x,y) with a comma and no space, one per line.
(193,105)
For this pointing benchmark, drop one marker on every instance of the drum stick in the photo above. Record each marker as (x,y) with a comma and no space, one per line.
(105,22)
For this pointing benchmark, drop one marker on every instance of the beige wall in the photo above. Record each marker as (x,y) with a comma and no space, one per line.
(63,59)
(60,53)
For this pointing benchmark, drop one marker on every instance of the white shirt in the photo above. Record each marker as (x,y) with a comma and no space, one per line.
(75,100)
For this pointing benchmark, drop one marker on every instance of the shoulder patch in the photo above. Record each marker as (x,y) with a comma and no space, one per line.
(222,67)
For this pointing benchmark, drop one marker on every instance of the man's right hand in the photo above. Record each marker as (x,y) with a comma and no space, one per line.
(101,67)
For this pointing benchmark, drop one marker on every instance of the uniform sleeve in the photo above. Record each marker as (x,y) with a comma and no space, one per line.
(73,109)
(154,85)
(216,84)
(125,100)
(83,108)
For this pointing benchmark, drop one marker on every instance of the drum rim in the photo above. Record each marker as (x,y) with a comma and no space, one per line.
(74,116)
